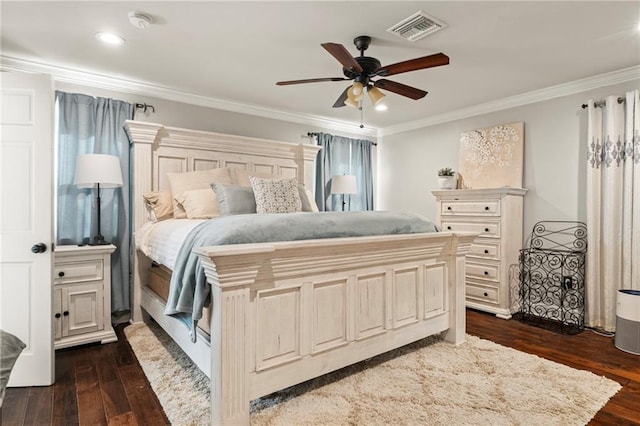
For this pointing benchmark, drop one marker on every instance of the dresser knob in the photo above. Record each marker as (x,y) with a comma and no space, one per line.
(449,228)
(486,229)
(486,294)
(65,313)
(487,208)
(486,252)
(61,274)
(486,273)
(57,315)
(449,208)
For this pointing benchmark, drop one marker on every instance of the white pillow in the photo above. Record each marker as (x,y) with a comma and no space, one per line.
(199,203)
(313,207)
(241,176)
(160,203)
(188,181)
(276,195)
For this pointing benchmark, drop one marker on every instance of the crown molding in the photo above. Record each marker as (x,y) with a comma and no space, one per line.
(560,90)
(101,81)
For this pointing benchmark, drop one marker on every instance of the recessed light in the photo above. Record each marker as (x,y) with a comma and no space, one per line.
(381,107)
(110,38)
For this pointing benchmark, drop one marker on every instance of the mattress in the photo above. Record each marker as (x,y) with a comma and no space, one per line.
(161,241)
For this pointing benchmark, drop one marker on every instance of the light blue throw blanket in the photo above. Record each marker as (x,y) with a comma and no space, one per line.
(189,292)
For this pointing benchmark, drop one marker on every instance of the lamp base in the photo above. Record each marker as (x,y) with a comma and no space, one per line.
(98,240)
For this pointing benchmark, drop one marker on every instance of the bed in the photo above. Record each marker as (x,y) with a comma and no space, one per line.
(285,312)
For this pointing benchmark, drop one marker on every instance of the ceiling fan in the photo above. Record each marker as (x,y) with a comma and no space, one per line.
(363,69)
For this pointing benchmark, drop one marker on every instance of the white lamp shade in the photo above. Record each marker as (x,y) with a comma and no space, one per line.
(92,169)
(344,184)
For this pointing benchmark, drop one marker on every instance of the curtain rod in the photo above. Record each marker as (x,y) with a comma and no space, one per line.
(145,106)
(600,104)
(313,134)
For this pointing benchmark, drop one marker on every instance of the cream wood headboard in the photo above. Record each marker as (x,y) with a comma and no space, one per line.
(158,149)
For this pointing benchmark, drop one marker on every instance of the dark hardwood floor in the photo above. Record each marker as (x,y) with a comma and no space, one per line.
(95,385)
(104,384)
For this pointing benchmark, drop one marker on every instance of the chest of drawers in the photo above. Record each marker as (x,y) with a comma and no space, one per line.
(496,215)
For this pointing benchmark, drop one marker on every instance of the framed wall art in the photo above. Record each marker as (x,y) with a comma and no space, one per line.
(492,157)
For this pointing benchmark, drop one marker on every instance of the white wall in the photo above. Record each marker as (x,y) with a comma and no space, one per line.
(555,156)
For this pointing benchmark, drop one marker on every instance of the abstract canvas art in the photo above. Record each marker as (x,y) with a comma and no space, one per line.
(492,157)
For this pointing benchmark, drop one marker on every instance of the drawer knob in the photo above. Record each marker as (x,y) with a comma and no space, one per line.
(61,274)
(449,228)
(449,208)
(65,313)
(486,273)
(57,315)
(486,252)
(487,208)
(486,229)
(486,294)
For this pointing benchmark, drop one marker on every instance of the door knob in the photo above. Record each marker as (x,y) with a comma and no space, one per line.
(39,248)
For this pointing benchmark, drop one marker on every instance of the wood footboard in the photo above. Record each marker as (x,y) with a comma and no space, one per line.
(287,312)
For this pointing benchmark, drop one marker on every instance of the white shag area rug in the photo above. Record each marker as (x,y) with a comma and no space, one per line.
(427,383)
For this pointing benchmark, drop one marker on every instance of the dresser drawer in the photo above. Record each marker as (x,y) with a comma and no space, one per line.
(485,229)
(72,272)
(482,293)
(485,270)
(471,208)
(485,249)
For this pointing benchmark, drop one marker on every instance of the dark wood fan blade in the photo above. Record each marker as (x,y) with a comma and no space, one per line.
(343,56)
(414,64)
(343,97)
(310,80)
(400,89)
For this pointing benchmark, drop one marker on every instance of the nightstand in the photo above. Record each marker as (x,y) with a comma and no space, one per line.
(82,295)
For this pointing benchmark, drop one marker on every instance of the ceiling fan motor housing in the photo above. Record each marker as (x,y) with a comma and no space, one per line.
(369,65)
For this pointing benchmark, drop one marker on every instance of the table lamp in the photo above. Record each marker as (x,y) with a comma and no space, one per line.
(95,171)
(344,184)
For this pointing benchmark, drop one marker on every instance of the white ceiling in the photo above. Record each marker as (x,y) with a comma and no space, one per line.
(236,51)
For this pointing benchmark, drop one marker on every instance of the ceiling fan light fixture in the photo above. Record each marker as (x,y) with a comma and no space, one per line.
(351,102)
(381,107)
(375,95)
(351,93)
(357,88)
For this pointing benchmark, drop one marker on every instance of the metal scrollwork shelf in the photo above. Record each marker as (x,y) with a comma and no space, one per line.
(552,272)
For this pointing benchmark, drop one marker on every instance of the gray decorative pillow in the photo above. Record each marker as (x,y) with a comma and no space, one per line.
(234,199)
(276,195)
(10,349)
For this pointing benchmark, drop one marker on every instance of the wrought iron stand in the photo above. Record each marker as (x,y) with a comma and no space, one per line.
(552,272)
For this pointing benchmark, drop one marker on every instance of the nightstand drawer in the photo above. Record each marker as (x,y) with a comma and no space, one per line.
(74,272)
(485,229)
(472,208)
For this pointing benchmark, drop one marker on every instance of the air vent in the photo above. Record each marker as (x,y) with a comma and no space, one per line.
(417,26)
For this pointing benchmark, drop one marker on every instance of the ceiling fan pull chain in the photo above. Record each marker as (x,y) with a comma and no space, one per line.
(361,114)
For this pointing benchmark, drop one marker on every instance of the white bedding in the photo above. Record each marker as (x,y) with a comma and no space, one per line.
(161,241)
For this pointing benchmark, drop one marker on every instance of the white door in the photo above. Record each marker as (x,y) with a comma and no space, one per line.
(26,220)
